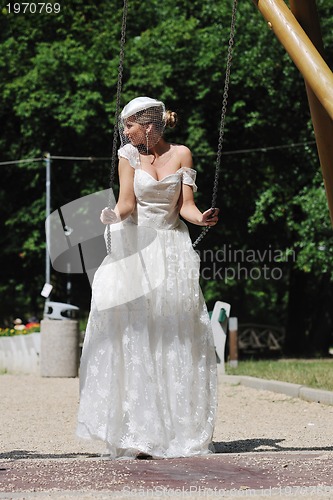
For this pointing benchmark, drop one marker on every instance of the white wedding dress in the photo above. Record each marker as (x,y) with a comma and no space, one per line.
(148,366)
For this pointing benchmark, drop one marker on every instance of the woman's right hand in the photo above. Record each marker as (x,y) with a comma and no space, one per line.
(210,217)
(109,216)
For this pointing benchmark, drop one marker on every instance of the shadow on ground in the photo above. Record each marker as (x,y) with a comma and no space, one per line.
(262,445)
(257,445)
(31,455)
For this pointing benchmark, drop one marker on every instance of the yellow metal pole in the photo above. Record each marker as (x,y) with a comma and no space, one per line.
(318,76)
(306,13)
(300,48)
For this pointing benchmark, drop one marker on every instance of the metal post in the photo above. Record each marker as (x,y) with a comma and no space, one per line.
(233,342)
(69,283)
(47,214)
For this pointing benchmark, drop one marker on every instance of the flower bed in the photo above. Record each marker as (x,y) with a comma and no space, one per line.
(10,332)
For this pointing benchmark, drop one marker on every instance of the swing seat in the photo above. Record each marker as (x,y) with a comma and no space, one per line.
(219,322)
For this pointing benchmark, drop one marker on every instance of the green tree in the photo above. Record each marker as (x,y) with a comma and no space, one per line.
(57,94)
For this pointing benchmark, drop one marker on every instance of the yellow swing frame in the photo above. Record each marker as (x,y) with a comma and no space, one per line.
(298,30)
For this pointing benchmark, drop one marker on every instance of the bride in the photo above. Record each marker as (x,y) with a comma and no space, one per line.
(148,366)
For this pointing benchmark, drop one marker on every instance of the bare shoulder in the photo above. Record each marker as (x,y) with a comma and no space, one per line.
(184,154)
(181,149)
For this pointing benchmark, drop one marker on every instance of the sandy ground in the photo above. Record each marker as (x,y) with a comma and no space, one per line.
(38,419)
(38,416)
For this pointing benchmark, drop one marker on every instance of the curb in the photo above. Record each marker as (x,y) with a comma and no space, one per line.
(292,390)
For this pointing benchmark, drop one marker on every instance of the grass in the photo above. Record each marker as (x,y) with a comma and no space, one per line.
(311,373)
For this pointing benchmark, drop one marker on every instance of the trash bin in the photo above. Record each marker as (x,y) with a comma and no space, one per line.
(60,310)
(59,340)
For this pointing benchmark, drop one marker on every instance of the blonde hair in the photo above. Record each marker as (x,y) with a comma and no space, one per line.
(156,116)
(171,118)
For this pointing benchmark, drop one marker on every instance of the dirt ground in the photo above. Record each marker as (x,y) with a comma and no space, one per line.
(263,440)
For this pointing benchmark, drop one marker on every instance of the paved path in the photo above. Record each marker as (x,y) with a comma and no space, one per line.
(268,445)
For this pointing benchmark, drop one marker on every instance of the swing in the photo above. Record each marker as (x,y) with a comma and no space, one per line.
(222,118)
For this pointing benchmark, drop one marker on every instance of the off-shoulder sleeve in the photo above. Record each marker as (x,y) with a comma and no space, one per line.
(189,176)
(130,153)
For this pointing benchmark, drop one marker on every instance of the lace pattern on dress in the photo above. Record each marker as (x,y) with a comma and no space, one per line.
(131,154)
(148,366)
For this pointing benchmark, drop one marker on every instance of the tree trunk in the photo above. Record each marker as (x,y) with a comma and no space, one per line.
(322,319)
(297,324)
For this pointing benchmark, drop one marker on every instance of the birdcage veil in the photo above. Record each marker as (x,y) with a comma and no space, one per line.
(150,115)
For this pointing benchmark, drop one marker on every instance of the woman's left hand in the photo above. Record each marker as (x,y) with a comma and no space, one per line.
(109,216)
(210,217)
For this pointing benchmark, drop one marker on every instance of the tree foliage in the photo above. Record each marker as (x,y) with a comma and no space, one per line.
(57,94)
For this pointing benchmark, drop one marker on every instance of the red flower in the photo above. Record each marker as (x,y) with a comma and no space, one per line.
(31,325)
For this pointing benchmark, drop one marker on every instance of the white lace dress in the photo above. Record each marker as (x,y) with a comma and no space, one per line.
(148,366)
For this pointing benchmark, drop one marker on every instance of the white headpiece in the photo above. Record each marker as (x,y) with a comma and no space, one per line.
(140,104)
(150,114)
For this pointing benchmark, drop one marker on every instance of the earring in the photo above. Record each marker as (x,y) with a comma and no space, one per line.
(147,146)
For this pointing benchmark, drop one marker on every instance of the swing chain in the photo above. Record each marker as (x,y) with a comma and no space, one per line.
(116,116)
(222,119)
